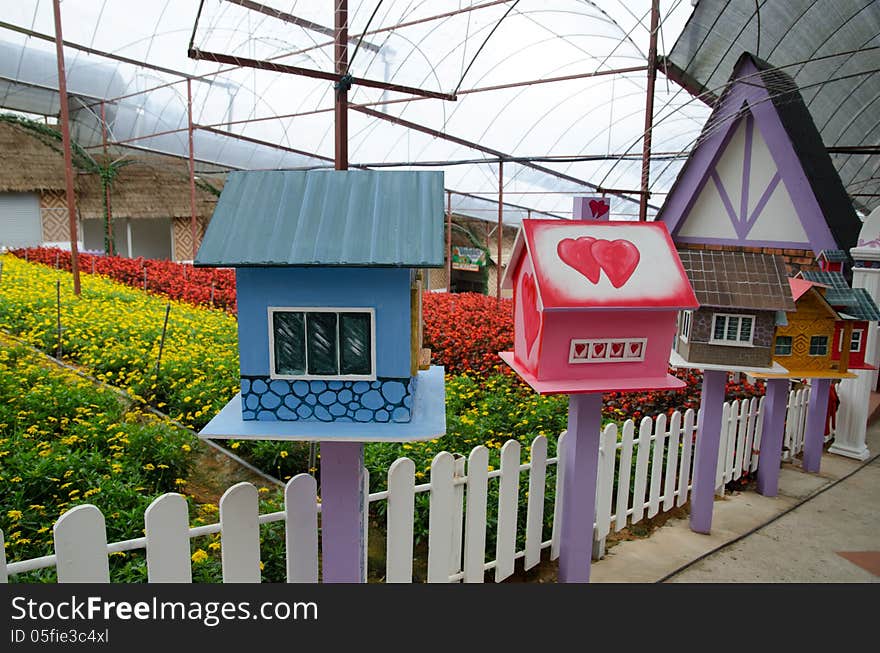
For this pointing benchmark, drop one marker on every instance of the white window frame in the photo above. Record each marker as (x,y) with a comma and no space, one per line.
(687,318)
(853,340)
(733,343)
(271,310)
(810,347)
(589,342)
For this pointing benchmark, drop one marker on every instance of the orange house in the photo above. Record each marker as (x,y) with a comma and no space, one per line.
(806,344)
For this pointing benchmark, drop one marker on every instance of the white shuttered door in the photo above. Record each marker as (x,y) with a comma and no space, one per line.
(20,220)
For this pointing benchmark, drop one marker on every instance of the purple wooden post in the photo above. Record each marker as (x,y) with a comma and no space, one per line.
(579,487)
(775,405)
(706,458)
(342,512)
(814,433)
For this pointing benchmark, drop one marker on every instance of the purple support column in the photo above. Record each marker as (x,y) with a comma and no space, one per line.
(814,433)
(342,512)
(579,487)
(775,406)
(706,458)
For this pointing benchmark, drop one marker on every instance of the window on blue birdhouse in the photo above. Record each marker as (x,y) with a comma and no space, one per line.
(317,343)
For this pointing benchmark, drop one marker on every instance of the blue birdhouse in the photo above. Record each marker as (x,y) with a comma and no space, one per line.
(329,302)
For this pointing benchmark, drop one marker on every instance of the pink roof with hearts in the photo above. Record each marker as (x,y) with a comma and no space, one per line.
(602,265)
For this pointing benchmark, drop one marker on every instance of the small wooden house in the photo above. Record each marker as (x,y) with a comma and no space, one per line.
(595,305)
(805,344)
(856,309)
(741,296)
(329,302)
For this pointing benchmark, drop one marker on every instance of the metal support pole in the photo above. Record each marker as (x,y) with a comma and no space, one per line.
(649,111)
(192,169)
(448,241)
(340,23)
(65,137)
(109,225)
(500,236)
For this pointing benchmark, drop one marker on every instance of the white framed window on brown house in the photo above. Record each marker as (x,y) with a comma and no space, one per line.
(322,343)
(685,318)
(732,329)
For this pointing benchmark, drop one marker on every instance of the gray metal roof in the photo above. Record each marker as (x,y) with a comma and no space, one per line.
(853,301)
(829,49)
(831,279)
(328,218)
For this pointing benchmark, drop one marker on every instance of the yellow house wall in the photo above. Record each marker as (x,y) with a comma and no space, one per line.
(810,319)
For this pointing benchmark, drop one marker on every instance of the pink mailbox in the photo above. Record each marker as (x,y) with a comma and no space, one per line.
(595,305)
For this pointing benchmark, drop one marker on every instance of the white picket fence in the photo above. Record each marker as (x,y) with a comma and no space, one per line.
(652,469)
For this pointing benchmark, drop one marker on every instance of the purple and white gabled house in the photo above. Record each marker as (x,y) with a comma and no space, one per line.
(760,175)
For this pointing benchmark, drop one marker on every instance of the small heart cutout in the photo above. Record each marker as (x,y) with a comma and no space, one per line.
(617,258)
(580,351)
(577,253)
(617,349)
(598,351)
(635,349)
(531,318)
(598,208)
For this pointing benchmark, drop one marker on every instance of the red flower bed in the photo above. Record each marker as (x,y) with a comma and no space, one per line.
(174,280)
(465,331)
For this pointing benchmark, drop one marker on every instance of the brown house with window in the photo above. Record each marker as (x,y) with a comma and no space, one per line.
(742,295)
(806,345)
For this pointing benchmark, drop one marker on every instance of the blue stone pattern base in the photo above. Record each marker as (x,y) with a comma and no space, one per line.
(383,400)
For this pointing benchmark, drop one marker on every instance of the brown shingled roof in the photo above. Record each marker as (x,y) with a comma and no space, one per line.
(728,279)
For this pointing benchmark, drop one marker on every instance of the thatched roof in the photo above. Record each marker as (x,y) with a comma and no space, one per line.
(27,164)
(152,186)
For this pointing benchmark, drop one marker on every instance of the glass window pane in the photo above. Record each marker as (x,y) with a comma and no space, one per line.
(354,334)
(718,332)
(745,329)
(783,345)
(289,334)
(323,358)
(856,343)
(732,327)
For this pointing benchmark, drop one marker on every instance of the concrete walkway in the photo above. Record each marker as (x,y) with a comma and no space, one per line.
(821,528)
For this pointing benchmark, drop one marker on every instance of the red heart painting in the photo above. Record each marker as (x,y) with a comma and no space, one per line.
(618,259)
(635,349)
(580,351)
(598,208)
(531,319)
(598,351)
(617,349)
(578,254)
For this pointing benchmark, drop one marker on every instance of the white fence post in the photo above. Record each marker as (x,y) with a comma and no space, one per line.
(4,575)
(657,464)
(400,517)
(604,486)
(166,522)
(557,500)
(440,517)
(535,509)
(508,504)
(671,461)
(644,442)
(301,529)
(458,475)
(687,445)
(623,476)
(81,546)
(475,516)
(240,534)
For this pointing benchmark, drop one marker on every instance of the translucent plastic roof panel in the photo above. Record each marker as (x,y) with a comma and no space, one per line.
(831,48)
(558,138)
